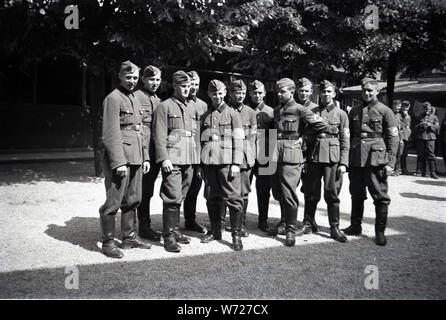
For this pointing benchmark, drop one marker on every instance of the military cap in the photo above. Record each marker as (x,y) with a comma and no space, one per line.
(256,84)
(285,82)
(237,85)
(324,84)
(216,85)
(405,105)
(128,66)
(150,71)
(180,77)
(427,104)
(368,80)
(302,82)
(193,75)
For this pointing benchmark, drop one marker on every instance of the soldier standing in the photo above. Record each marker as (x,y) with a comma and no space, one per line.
(397,113)
(304,92)
(125,160)
(174,149)
(151,78)
(222,154)
(405,134)
(426,134)
(327,158)
(261,169)
(190,202)
(237,94)
(373,141)
(289,152)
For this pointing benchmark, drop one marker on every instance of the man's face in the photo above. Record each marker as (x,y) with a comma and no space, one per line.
(327,95)
(152,83)
(257,95)
(238,96)
(128,80)
(304,93)
(181,91)
(285,94)
(217,97)
(194,85)
(427,108)
(396,108)
(369,92)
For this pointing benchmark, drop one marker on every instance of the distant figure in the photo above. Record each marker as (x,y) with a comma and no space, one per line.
(396,110)
(405,134)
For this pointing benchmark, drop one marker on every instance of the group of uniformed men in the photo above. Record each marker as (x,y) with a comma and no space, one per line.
(226,145)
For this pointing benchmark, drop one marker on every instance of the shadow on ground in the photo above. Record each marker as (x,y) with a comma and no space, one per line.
(421,196)
(439,183)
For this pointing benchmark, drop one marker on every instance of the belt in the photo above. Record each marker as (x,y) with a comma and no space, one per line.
(284,136)
(364,135)
(132,127)
(183,133)
(216,137)
(326,135)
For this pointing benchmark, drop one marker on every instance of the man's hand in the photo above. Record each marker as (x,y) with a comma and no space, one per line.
(167,166)
(121,171)
(340,171)
(145,167)
(235,170)
(388,170)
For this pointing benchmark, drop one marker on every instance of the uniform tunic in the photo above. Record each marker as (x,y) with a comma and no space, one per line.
(426,132)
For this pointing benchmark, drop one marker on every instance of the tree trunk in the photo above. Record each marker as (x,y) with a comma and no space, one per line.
(392,68)
(97,95)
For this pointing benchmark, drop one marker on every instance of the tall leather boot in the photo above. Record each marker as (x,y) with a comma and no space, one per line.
(355,228)
(128,230)
(380,224)
(236,218)
(309,214)
(291,228)
(181,238)
(109,247)
(244,232)
(333,219)
(214,219)
(144,229)
(432,168)
(169,222)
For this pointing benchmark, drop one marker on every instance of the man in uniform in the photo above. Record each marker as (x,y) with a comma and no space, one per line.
(125,160)
(405,134)
(397,114)
(222,154)
(373,145)
(190,202)
(174,149)
(265,118)
(426,134)
(304,92)
(327,158)
(151,78)
(237,94)
(289,151)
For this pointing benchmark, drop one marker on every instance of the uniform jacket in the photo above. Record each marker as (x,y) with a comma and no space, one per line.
(265,122)
(374,136)
(249,125)
(173,134)
(428,128)
(286,120)
(201,107)
(221,136)
(122,134)
(405,130)
(149,102)
(332,146)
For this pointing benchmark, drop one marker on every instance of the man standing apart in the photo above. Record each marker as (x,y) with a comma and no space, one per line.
(222,154)
(289,151)
(125,152)
(174,148)
(327,158)
(190,202)
(374,142)
(405,134)
(397,114)
(151,78)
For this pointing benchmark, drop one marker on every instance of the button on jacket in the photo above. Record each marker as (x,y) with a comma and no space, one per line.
(374,137)
(173,132)
(122,134)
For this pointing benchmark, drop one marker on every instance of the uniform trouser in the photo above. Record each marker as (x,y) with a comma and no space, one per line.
(245,189)
(263,187)
(121,193)
(425,154)
(220,189)
(404,156)
(375,179)
(190,202)
(286,179)
(148,185)
(312,187)
(173,190)
(399,153)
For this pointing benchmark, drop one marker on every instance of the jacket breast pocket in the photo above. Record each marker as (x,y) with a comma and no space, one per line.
(125,116)
(225,129)
(376,124)
(174,121)
(379,155)
(147,116)
(335,151)
(292,151)
(334,127)
(290,125)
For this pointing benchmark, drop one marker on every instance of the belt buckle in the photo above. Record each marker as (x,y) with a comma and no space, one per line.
(322,135)
(188,134)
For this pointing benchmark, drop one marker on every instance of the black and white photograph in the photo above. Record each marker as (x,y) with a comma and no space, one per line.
(223,157)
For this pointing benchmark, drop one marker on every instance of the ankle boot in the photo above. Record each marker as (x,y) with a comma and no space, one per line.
(109,247)
(237,244)
(310,225)
(181,238)
(169,223)
(355,228)
(244,232)
(236,218)
(380,224)
(144,229)
(291,222)
(432,169)
(333,219)
(215,220)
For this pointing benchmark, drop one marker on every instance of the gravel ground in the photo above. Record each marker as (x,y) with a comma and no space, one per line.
(49,221)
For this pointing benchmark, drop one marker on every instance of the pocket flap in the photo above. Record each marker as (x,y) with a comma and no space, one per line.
(291,144)
(377,147)
(334,143)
